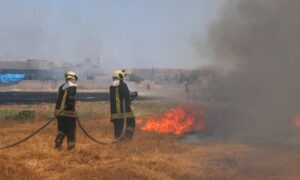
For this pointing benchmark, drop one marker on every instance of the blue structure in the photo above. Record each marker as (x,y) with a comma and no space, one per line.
(9,78)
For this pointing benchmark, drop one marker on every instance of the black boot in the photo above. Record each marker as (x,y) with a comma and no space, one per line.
(129,133)
(59,140)
(71,145)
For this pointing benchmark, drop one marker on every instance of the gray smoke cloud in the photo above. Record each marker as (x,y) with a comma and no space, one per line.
(255,45)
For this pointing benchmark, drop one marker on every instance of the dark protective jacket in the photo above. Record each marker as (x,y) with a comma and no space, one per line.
(65,103)
(120,97)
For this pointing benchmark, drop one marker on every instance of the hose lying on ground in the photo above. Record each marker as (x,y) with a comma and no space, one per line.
(102,142)
(121,137)
(28,137)
(81,127)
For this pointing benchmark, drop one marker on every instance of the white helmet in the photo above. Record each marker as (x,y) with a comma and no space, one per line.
(71,75)
(120,74)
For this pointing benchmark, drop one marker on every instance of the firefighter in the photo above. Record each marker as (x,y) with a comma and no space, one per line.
(65,111)
(120,105)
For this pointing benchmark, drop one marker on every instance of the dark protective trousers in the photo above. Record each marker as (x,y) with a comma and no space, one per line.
(130,126)
(66,127)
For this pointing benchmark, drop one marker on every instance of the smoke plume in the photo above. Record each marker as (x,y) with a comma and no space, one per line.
(256,46)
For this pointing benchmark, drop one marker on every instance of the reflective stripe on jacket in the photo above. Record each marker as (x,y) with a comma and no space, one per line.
(120,106)
(65,103)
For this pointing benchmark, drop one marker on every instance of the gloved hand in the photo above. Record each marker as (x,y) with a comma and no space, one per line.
(133,95)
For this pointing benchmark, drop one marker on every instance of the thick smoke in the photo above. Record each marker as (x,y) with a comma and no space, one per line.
(256,46)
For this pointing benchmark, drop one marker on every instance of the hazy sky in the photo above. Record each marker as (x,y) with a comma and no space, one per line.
(123,33)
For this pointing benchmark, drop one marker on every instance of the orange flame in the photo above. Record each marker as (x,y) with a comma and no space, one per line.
(297,122)
(178,120)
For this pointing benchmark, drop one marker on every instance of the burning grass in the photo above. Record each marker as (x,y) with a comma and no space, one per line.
(149,155)
(178,120)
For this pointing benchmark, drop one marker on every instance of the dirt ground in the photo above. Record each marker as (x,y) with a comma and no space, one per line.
(149,155)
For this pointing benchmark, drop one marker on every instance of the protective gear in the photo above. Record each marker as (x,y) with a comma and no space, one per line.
(118,127)
(65,104)
(66,113)
(120,108)
(119,74)
(59,139)
(66,127)
(71,75)
(133,95)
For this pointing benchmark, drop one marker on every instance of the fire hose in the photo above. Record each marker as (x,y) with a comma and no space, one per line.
(107,142)
(103,142)
(28,137)
(81,127)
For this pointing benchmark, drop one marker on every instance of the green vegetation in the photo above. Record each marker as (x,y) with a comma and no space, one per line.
(6,114)
(15,115)
(24,115)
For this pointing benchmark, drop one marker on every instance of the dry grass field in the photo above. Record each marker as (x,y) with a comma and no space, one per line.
(149,155)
